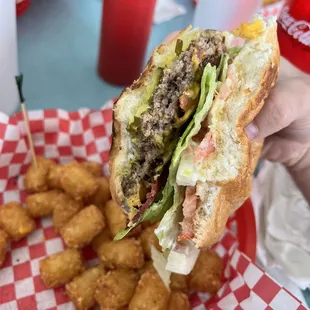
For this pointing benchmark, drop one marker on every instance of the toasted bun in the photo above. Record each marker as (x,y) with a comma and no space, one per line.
(127,105)
(231,167)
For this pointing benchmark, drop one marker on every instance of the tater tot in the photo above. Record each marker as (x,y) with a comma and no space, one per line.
(36,177)
(15,221)
(135,232)
(179,282)
(206,274)
(65,209)
(81,290)
(77,181)
(100,239)
(116,219)
(42,204)
(102,194)
(4,242)
(126,253)
(94,168)
(146,224)
(178,301)
(151,293)
(115,289)
(147,265)
(54,176)
(149,239)
(83,227)
(61,268)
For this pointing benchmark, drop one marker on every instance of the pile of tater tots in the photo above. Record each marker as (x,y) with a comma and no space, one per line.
(78,198)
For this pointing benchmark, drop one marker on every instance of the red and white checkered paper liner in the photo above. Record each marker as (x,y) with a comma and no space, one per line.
(86,135)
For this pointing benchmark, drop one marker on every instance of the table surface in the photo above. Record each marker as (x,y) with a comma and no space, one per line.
(58,44)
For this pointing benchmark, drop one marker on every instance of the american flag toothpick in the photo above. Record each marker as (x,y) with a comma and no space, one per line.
(19,82)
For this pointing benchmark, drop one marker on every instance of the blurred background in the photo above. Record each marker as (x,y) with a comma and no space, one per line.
(58,45)
(59,40)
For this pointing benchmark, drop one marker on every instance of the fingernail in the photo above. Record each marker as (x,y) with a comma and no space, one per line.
(251,130)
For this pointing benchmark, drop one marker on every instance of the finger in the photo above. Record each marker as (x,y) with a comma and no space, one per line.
(277,113)
(287,103)
(284,151)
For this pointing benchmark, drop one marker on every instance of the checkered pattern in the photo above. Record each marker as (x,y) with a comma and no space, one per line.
(246,286)
(58,135)
(64,136)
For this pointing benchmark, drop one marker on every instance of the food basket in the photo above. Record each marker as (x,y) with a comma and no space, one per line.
(86,134)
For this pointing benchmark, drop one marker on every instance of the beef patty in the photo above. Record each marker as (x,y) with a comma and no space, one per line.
(157,130)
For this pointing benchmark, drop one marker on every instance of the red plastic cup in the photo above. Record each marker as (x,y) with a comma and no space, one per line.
(125,30)
(22,7)
(294,33)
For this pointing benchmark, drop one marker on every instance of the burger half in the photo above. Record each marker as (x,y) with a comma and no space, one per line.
(179,153)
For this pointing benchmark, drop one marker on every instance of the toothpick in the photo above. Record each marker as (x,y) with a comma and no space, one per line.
(19,82)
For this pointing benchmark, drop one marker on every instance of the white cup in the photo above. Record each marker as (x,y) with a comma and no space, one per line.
(8,57)
(224,14)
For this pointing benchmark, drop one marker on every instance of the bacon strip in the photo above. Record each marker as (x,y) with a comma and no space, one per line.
(186,236)
(150,196)
(189,209)
(229,84)
(205,148)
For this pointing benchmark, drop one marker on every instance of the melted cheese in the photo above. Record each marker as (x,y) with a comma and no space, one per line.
(250,31)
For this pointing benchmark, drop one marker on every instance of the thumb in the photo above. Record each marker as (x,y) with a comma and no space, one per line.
(288,104)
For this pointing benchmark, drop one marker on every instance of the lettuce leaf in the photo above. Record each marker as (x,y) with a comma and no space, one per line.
(134,120)
(166,199)
(171,195)
(208,85)
(168,227)
(223,68)
(234,51)
(190,172)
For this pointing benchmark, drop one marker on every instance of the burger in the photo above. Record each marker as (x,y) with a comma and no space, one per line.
(179,151)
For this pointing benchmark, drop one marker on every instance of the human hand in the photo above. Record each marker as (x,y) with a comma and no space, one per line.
(284,123)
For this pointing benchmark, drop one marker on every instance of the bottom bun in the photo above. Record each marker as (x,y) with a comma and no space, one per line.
(219,202)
